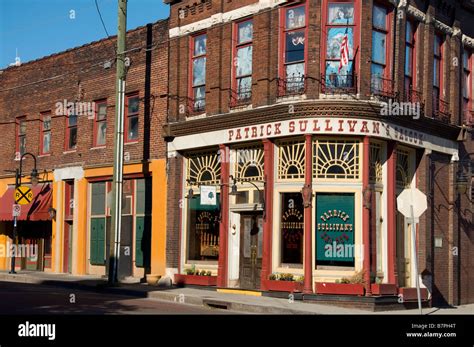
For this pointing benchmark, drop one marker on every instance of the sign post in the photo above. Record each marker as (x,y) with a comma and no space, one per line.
(412,204)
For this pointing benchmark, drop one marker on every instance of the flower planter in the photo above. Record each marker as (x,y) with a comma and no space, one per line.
(152,279)
(195,280)
(383,289)
(409,294)
(340,288)
(283,286)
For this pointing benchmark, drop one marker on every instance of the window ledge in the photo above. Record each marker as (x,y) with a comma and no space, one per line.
(339,96)
(131,143)
(286,98)
(196,116)
(44,155)
(70,151)
(97,147)
(240,108)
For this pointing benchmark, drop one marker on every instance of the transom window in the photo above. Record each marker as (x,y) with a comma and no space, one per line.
(204,168)
(336,159)
(403,176)
(291,160)
(249,163)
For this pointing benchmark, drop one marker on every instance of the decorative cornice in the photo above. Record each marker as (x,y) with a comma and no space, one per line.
(443,27)
(468,41)
(416,13)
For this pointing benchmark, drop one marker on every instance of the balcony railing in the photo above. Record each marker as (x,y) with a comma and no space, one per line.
(291,86)
(382,87)
(197,105)
(339,84)
(414,97)
(240,97)
(441,110)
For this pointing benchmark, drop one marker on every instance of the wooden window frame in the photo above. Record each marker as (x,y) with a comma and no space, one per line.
(97,105)
(356,38)
(43,132)
(129,116)
(440,58)
(19,134)
(235,48)
(411,44)
(282,51)
(68,133)
(191,87)
(468,71)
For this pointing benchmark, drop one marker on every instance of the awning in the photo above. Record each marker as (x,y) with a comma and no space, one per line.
(37,210)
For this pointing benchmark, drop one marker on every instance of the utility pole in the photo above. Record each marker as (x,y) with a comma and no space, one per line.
(116,210)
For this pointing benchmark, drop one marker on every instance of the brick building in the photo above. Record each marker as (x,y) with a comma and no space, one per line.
(61,108)
(307,152)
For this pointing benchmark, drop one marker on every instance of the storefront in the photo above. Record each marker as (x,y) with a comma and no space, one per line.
(314,198)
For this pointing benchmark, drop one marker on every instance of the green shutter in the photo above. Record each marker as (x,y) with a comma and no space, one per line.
(140,226)
(97,243)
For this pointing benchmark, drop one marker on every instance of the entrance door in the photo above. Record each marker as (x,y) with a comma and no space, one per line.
(67,259)
(403,252)
(251,236)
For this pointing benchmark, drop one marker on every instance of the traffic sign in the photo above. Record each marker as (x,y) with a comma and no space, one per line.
(23,195)
(412,197)
(16,210)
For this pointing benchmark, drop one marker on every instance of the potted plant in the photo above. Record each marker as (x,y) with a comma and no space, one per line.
(284,283)
(345,286)
(196,277)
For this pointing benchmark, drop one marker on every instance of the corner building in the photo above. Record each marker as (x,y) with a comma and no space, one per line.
(307,156)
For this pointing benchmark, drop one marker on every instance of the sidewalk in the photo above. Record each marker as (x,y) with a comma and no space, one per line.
(206,297)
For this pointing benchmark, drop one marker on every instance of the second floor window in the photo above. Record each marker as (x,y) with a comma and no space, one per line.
(198,72)
(294,49)
(243,60)
(100,124)
(71,131)
(410,59)
(437,71)
(45,136)
(380,69)
(131,119)
(467,83)
(21,137)
(341,33)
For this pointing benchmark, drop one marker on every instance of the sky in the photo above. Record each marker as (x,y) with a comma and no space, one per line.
(38,28)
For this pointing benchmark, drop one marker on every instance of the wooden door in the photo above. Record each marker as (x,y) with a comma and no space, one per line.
(251,235)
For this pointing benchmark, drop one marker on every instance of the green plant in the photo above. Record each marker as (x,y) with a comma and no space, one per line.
(189,271)
(300,279)
(357,278)
(203,273)
(273,277)
(209,273)
(286,277)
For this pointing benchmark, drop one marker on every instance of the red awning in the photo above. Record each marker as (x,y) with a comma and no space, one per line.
(37,210)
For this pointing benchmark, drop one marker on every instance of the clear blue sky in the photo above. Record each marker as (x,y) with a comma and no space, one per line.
(42,27)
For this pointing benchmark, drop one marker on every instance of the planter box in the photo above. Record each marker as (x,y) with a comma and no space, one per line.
(409,294)
(195,280)
(339,288)
(383,289)
(283,286)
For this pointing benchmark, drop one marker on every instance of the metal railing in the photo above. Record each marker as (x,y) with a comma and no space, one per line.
(291,86)
(339,84)
(240,97)
(382,87)
(441,110)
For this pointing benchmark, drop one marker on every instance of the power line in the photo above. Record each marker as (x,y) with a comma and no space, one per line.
(100,16)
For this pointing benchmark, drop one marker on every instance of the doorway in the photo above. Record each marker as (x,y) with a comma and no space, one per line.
(403,251)
(251,237)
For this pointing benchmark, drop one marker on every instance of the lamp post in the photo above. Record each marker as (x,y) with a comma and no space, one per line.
(34,182)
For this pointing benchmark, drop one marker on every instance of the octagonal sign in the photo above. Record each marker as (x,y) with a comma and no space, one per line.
(412,197)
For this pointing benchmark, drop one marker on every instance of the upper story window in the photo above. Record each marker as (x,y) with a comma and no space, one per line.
(294,53)
(339,41)
(243,49)
(467,83)
(440,106)
(132,106)
(198,72)
(410,63)
(20,136)
(381,82)
(100,124)
(71,131)
(45,136)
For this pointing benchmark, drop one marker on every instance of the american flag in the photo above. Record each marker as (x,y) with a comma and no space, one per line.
(344,52)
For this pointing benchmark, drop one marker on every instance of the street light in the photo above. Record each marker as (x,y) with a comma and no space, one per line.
(34,182)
